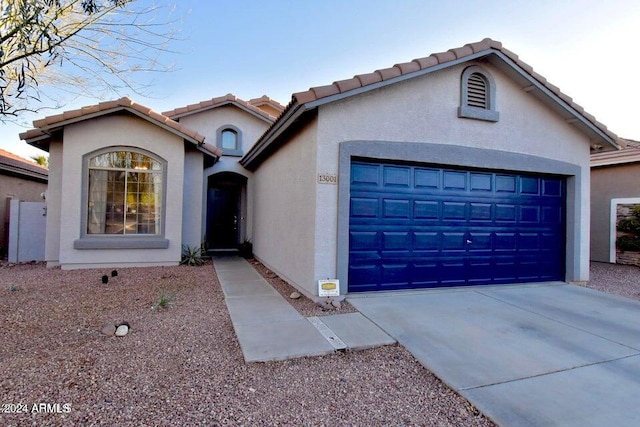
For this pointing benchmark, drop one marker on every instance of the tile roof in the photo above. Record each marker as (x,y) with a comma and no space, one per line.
(315,96)
(44,126)
(16,164)
(228,99)
(630,154)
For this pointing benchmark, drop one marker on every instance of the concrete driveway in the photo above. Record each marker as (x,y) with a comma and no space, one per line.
(543,355)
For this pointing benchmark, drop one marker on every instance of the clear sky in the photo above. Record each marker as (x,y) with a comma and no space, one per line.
(590,49)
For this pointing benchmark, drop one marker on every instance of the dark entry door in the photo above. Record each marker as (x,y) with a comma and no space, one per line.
(223,218)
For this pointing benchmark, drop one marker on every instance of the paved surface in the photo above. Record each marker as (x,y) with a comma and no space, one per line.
(538,355)
(269,328)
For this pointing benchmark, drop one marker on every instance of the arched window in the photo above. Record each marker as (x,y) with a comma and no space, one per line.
(477,95)
(124,194)
(230,140)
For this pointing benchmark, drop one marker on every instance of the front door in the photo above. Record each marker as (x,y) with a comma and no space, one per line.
(223,217)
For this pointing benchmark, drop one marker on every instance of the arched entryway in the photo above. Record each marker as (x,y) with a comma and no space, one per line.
(225,195)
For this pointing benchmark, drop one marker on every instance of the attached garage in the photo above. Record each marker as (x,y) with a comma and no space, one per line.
(420,226)
(463,168)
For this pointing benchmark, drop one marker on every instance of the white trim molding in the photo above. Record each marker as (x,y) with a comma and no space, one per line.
(612,223)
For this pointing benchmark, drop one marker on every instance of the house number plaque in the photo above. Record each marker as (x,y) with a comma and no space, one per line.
(327,178)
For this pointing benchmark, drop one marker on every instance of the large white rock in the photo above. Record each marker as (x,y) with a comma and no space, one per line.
(122,330)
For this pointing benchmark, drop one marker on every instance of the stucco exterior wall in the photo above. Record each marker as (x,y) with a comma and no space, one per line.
(54,205)
(609,182)
(192,199)
(126,131)
(12,187)
(424,110)
(285,205)
(208,123)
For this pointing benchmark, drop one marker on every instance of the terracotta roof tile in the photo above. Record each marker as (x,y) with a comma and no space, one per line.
(106,107)
(427,62)
(363,80)
(324,91)
(304,97)
(408,67)
(461,52)
(445,56)
(369,79)
(511,55)
(222,101)
(349,84)
(389,73)
(480,46)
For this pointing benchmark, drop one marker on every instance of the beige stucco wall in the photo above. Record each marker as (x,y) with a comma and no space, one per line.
(611,182)
(424,110)
(128,131)
(192,199)
(207,123)
(285,205)
(54,205)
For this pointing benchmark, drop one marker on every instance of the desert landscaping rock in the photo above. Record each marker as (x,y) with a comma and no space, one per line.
(336,304)
(108,329)
(295,295)
(122,330)
(186,368)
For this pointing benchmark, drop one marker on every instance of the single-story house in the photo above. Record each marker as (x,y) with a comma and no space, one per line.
(614,187)
(465,167)
(20,179)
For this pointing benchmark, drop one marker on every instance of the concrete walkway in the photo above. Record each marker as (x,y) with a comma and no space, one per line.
(269,328)
(554,355)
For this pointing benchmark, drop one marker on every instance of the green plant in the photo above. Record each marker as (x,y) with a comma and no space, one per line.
(165,300)
(13,288)
(246,249)
(628,243)
(192,255)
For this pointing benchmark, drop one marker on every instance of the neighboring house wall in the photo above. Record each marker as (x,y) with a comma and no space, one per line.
(607,183)
(118,130)
(12,187)
(285,206)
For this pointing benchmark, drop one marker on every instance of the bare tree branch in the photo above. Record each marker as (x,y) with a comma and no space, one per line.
(76,47)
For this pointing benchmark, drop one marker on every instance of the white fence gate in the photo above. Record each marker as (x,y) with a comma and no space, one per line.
(27,226)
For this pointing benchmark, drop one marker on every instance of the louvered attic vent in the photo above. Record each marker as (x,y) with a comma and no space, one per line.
(476,91)
(477,95)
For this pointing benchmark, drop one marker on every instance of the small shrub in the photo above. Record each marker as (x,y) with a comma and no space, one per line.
(192,255)
(13,288)
(628,243)
(165,300)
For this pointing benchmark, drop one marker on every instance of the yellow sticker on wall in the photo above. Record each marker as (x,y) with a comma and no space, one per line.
(329,288)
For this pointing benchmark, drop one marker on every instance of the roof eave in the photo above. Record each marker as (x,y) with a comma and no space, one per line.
(41,176)
(577,118)
(222,104)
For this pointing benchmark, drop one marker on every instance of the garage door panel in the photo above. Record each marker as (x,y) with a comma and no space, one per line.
(364,207)
(396,177)
(419,226)
(394,208)
(426,209)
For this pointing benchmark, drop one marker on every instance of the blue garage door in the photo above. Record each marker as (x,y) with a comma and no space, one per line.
(421,227)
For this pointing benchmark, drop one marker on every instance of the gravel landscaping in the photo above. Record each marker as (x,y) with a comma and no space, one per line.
(181,364)
(616,279)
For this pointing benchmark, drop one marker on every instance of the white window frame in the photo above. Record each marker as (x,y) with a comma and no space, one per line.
(613,226)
